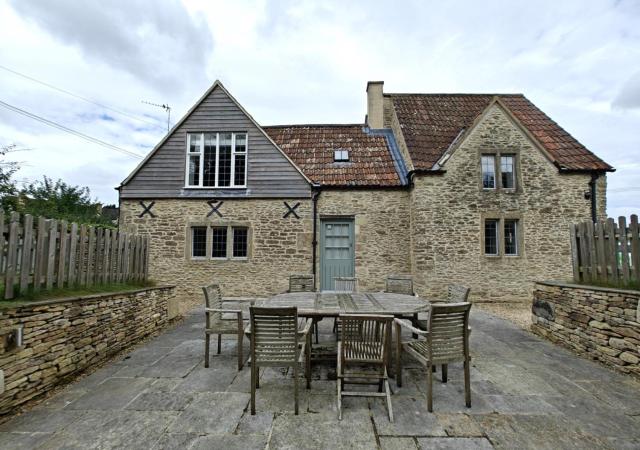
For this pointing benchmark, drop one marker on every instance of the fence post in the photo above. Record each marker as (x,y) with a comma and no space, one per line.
(12,250)
(90,253)
(602,260)
(62,254)
(51,252)
(622,221)
(73,254)
(612,249)
(105,256)
(634,231)
(27,246)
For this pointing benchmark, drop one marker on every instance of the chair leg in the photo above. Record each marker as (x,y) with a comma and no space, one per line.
(398,355)
(339,382)
(429,388)
(240,355)
(315,327)
(295,386)
(207,338)
(467,385)
(308,363)
(388,391)
(254,371)
(444,373)
(219,343)
(257,377)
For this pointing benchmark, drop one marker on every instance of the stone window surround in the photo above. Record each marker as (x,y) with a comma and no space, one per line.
(229,224)
(500,217)
(498,174)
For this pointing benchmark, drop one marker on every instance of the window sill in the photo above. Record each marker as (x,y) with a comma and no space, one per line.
(215,187)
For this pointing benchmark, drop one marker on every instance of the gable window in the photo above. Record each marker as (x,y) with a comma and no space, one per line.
(216,160)
(511,237)
(491,237)
(488,163)
(198,242)
(507,172)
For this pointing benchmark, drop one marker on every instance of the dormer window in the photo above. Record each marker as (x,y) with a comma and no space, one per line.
(341,155)
(216,160)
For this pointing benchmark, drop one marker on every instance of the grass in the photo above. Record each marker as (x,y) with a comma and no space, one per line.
(77,291)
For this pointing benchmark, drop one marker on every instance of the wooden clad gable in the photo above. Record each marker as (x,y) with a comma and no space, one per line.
(270,173)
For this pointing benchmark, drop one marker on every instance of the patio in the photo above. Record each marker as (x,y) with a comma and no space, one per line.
(526,393)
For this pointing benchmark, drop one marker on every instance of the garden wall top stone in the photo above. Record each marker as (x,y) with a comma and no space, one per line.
(589,287)
(32,304)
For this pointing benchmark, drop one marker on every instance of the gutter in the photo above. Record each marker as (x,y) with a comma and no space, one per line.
(314,242)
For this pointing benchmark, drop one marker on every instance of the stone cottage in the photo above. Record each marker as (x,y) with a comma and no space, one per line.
(472,188)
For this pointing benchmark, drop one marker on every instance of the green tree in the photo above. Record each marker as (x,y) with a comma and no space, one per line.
(8,190)
(59,200)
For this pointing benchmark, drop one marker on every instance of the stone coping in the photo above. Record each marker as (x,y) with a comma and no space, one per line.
(30,304)
(588,287)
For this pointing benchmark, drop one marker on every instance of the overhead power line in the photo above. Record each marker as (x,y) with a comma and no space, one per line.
(80,97)
(53,124)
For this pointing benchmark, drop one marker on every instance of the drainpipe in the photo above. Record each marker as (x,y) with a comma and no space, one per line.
(314,242)
(592,188)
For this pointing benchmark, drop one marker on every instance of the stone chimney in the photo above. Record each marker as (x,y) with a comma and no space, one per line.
(375,102)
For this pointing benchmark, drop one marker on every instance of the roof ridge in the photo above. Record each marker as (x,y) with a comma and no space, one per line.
(455,94)
(316,125)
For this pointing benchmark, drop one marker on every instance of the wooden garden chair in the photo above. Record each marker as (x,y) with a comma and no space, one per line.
(457,293)
(343,284)
(276,341)
(304,283)
(216,323)
(365,341)
(399,284)
(445,342)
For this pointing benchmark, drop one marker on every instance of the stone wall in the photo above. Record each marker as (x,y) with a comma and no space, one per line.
(277,246)
(382,232)
(600,323)
(65,336)
(448,213)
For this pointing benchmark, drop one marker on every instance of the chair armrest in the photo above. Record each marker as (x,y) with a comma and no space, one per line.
(307,327)
(410,327)
(240,300)
(233,311)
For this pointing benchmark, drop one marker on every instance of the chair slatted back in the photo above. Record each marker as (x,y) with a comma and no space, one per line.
(345,284)
(274,335)
(364,337)
(457,293)
(400,284)
(213,299)
(448,338)
(301,283)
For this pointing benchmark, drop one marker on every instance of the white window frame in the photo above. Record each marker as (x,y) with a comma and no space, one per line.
(233,161)
(341,155)
(494,157)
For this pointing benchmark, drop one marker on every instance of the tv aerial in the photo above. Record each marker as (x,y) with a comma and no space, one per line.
(166,107)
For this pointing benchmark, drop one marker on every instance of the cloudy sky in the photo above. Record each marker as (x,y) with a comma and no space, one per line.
(306,62)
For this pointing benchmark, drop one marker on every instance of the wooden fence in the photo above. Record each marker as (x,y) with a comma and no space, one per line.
(606,251)
(39,253)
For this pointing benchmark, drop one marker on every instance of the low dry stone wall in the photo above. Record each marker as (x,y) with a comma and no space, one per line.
(63,337)
(599,323)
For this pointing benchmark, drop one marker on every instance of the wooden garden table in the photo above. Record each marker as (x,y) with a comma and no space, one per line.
(317,305)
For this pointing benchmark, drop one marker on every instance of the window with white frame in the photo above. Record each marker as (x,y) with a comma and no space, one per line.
(507,171)
(216,160)
(488,164)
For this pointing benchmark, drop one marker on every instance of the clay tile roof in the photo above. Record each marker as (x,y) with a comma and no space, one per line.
(431,122)
(311,147)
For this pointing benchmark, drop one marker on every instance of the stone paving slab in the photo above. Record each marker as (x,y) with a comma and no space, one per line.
(526,393)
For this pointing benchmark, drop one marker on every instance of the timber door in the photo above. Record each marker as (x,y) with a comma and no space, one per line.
(336,251)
